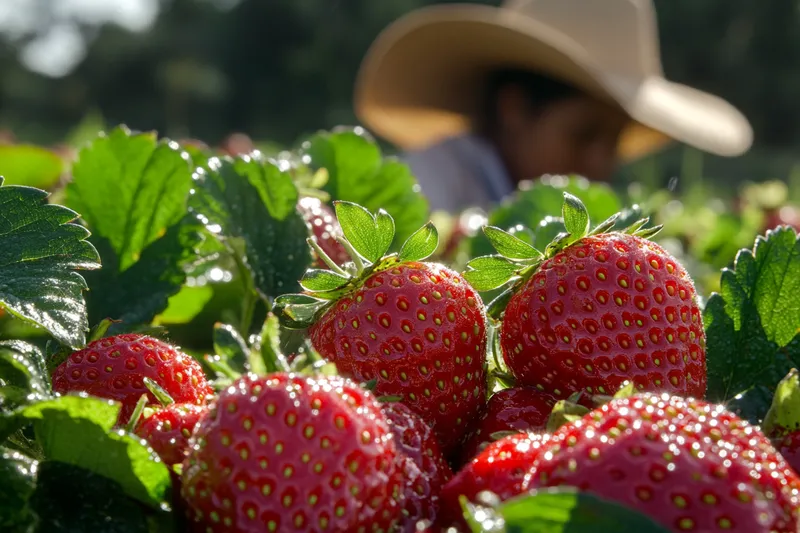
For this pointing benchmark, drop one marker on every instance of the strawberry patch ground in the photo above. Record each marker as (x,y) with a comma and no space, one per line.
(197,342)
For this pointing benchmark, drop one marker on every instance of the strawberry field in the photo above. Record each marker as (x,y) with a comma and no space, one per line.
(194,340)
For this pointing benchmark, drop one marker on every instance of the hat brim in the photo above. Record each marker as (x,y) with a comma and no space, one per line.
(420,82)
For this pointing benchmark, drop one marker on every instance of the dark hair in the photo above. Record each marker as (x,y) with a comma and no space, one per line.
(539,90)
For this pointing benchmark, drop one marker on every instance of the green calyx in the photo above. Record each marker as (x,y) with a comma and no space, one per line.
(565,412)
(367,240)
(784,414)
(516,260)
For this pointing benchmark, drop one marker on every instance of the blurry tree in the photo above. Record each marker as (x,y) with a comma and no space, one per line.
(278,69)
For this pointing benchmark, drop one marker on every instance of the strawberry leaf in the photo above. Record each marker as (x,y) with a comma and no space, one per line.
(369,237)
(575,215)
(420,245)
(91,504)
(138,294)
(298,311)
(564,509)
(752,323)
(489,272)
(186,304)
(132,191)
(268,346)
(129,188)
(24,164)
(77,430)
(322,280)
(18,475)
(250,206)
(23,373)
(40,250)
(509,245)
(357,172)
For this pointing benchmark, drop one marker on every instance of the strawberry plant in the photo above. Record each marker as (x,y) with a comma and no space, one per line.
(196,339)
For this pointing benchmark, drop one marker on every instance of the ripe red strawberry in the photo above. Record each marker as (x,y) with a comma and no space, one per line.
(289,452)
(789,448)
(416,328)
(325,229)
(426,470)
(167,430)
(500,469)
(519,409)
(602,309)
(688,464)
(115,368)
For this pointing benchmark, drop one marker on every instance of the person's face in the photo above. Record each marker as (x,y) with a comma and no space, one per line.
(574,135)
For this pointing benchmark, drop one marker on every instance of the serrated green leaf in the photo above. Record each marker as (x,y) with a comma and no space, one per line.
(358,173)
(752,323)
(421,244)
(231,347)
(253,202)
(92,504)
(130,188)
(565,510)
(575,215)
(77,430)
(34,166)
(510,246)
(489,272)
(322,280)
(40,252)
(17,482)
(362,230)
(22,366)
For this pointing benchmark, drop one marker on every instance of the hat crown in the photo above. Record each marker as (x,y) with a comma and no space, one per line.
(621,36)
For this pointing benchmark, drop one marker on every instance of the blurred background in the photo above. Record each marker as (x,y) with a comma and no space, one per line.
(280,69)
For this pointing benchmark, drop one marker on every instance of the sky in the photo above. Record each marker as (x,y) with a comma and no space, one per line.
(58,45)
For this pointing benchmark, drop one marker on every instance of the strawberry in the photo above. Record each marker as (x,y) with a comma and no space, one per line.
(500,469)
(115,368)
(415,328)
(289,452)
(426,470)
(688,464)
(596,310)
(167,430)
(789,448)
(325,229)
(517,410)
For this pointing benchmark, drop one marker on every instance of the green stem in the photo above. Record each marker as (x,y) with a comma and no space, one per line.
(326,258)
(357,261)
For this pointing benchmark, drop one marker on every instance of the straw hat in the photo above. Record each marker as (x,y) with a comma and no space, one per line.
(421,80)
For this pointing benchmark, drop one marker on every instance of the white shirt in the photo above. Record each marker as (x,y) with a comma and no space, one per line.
(460,172)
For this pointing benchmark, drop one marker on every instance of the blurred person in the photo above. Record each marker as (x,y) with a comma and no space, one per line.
(480,98)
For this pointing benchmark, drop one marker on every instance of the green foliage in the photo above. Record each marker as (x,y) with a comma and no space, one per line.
(17,483)
(371,236)
(250,206)
(77,430)
(132,191)
(40,250)
(359,174)
(752,323)
(23,164)
(565,510)
(23,373)
(420,245)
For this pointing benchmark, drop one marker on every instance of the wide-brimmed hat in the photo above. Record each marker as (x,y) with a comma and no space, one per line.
(421,81)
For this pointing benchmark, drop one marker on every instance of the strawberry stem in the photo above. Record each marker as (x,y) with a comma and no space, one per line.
(325,257)
(357,261)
